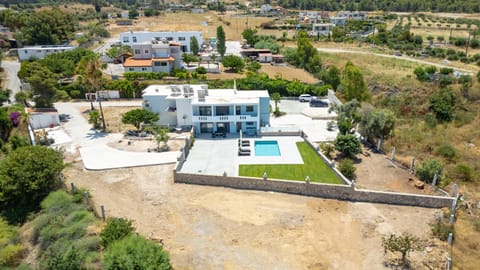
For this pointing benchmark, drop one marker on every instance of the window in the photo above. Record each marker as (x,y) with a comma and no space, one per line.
(249,108)
(144,69)
(222,110)
(146,51)
(238,110)
(250,123)
(134,39)
(205,110)
(181,38)
(126,40)
(170,38)
(146,103)
(157,64)
(137,51)
(163,64)
(131,69)
(184,48)
(26,51)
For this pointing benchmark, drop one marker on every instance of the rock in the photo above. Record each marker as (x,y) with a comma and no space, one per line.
(419,184)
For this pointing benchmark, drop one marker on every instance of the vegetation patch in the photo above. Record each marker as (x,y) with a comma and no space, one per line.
(313,166)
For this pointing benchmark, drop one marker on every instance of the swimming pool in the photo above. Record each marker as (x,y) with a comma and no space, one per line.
(267,148)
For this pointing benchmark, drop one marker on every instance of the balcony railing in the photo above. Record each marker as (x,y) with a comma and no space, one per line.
(224,118)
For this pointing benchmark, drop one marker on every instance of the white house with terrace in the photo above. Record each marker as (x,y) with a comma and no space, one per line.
(183,38)
(209,110)
(154,56)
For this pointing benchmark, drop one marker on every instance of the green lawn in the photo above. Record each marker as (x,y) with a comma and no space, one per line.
(313,166)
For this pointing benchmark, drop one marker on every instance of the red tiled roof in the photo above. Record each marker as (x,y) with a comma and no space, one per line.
(165,59)
(174,44)
(131,62)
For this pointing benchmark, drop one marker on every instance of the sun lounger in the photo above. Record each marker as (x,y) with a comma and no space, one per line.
(243,153)
(247,143)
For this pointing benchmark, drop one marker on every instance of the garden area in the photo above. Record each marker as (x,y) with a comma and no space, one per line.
(313,166)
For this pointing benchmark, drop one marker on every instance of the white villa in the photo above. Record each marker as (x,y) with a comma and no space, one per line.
(39,52)
(323,29)
(154,56)
(183,37)
(209,110)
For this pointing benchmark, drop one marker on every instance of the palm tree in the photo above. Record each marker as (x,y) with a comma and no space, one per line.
(90,68)
(276,98)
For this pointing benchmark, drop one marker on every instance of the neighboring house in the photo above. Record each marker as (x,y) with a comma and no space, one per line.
(154,56)
(43,118)
(183,37)
(338,21)
(264,9)
(198,10)
(39,52)
(208,110)
(323,29)
(265,57)
(353,15)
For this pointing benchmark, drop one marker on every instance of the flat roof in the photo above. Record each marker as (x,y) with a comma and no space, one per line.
(214,96)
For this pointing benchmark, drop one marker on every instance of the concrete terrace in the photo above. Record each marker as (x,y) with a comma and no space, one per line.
(219,155)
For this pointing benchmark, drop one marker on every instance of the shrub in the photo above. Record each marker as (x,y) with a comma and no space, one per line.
(421,74)
(475,43)
(431,69)
(348,144)
(327,149)
(347,168)
(134,252)
(428,168)
(441,103)
(430,120)
(441,230)
(447,151)
(446,71)
(464,172)
(116,229)
(201,70)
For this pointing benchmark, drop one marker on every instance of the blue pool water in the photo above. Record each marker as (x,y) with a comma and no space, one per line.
(267,148)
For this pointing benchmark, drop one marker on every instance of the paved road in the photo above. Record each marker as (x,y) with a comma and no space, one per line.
(13,82)
(406,58)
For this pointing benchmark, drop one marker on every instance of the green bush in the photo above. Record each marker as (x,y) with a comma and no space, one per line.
(464,172)
(116,229)
(447,151)
(327,149)
(430,120)
(11,255)
(201,70)
(441,230)
(347,168)
(442,103)
(348,144)
(427,170)
(135,252)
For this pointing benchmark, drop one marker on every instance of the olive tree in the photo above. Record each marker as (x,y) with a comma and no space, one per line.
(138,116)
(404,244)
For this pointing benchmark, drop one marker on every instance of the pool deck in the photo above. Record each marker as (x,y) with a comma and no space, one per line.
(220,155)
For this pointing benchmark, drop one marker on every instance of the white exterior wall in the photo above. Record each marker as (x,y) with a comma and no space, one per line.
(265,58)
(166,68)
(44,120)
(40,52)
(138,69)
(131,38)
(184,112)
(142,51)
(160,105)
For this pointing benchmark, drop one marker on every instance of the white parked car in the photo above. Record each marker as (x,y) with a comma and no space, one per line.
(305,98)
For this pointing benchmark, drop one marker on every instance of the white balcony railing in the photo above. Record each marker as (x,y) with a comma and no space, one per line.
(225,118)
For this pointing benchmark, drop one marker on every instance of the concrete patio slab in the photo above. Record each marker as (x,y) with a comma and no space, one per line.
(103,157)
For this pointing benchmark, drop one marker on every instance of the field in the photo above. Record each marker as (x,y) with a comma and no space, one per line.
(313,166)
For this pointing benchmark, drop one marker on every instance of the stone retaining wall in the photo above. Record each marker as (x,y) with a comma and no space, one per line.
(340,192)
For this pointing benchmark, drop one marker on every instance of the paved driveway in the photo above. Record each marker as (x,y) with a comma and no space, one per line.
(95,153)
(13,82)
(313,121)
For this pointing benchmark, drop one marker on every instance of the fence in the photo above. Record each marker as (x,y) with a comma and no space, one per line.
(328,191)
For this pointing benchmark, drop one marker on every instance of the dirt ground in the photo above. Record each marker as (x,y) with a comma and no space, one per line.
(376,171)
(217,228)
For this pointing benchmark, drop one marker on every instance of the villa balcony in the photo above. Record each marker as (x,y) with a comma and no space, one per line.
(225,118)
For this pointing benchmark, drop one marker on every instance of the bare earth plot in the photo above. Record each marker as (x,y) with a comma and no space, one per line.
(215,228)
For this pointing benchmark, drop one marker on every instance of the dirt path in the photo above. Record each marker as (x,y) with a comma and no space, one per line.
(215,228)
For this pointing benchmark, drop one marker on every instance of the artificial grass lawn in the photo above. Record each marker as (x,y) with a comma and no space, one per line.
(313,166)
